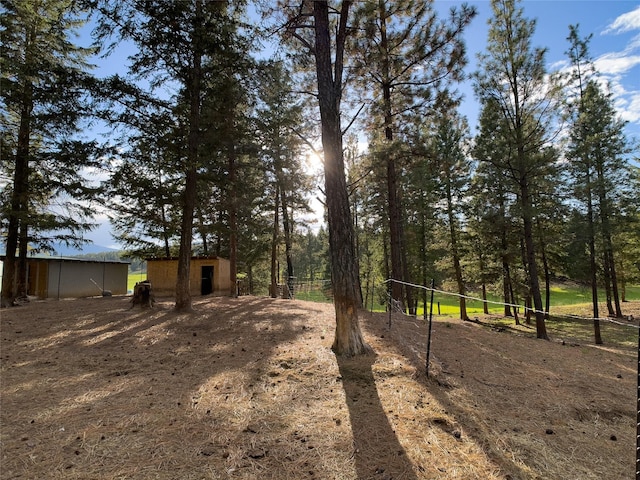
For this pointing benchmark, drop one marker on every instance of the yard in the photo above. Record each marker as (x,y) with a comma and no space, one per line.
(248,388)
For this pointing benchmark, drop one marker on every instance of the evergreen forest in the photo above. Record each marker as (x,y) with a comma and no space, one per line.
(317,141)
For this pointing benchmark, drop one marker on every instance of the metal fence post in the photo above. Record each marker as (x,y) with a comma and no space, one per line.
(433,284)
(390,302)
(638,417)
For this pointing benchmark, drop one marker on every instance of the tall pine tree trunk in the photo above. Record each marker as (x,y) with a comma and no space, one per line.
(19,195)
(527,296)
(344,274)
(593,267)
(512,297)
(485,305)
(606,274)
(610,268)
(506,286)
(609,263)
(273,288)
(408,290)
(423,254)
(23,247)
(202,230)
(287,228)
(534,283)
(454,251)
(233,222)
(393,198)
(183,287)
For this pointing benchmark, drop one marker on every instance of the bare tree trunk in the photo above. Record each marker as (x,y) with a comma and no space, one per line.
(233,223)
(183,287)
(593,267)
(408,291)
(607,284)
(287,228)
(485,305)
(454,249)
(610,266)
(506,286)
(19,195)
(527,296)
(534,284)
(344,274)
(385,254)
(393,198)
(512,298)
(183,284)
(273,289)
(202,231)
(23,246)
(614,278)
(623,282)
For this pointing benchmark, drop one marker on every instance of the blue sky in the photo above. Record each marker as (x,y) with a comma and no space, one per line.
(615,48)
(615,45)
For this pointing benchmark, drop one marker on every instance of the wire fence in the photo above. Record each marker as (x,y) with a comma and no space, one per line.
(396,306)
(311,290)
(622,331)
(627,325)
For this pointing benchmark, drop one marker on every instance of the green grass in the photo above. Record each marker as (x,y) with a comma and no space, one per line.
(567,302)
(313,296)
(573,331)
(561,296)
(449,305)
(133,278)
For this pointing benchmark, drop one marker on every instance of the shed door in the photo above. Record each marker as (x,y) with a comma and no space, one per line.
(206,287)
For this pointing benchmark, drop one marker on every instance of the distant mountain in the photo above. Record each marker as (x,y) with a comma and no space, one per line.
(89,248)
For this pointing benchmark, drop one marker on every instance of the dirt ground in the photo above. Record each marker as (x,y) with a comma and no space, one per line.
(248,388)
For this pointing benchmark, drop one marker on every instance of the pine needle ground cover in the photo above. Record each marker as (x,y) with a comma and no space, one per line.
(248,388)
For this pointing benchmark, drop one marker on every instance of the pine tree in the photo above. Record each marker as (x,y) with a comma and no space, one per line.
(404,56)
(313,28)
(181,46)
(582,67)
(44,87)
(598,151)
(282,132)
(143,188)
(494,197)
(512,74)
(598,147)
(447,145)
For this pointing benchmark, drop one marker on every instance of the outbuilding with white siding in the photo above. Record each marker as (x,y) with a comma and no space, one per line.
(67,277)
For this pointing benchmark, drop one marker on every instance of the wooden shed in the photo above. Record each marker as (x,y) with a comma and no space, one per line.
(207,275)
(65,277)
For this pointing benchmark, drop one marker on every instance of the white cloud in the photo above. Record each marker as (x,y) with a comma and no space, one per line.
(629,107)
(624,23)
(634,44)
(619,69)
(560,66)
(616,63)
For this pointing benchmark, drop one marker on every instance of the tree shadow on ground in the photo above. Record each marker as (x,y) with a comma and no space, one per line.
(378,453)
(562,399)
(411,342)
(96,386)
